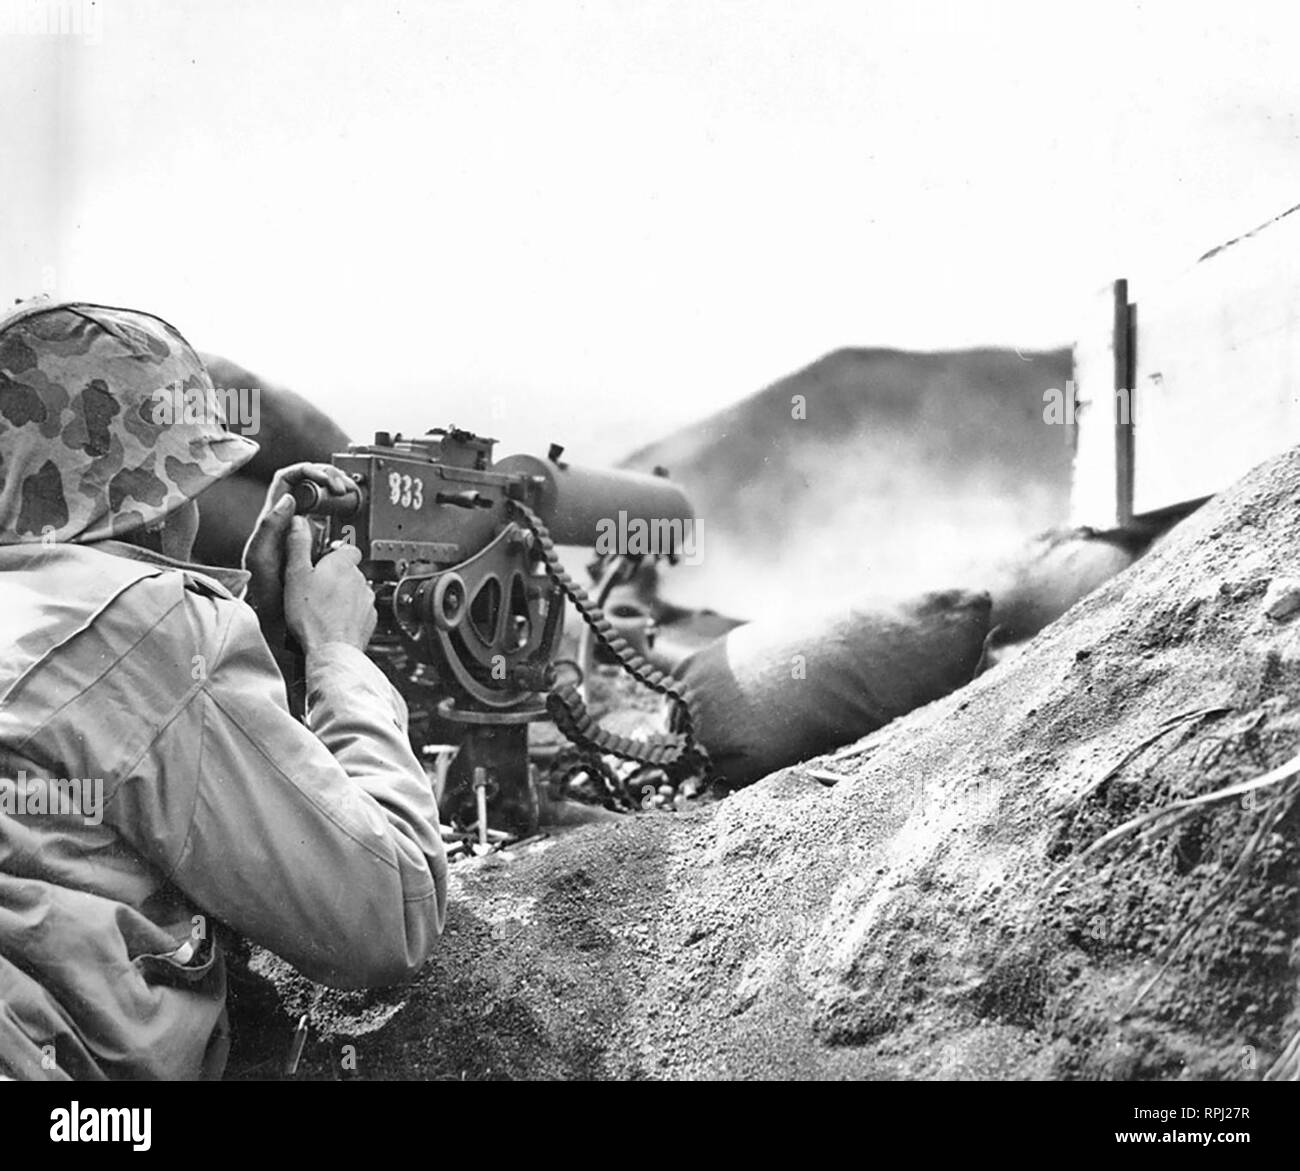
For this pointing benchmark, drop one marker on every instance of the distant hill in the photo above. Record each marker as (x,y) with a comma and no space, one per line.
(905,471)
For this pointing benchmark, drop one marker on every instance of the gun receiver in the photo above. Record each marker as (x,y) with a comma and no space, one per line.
(457,548)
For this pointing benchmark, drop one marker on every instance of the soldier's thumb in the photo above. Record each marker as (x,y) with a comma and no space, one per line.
(297,547)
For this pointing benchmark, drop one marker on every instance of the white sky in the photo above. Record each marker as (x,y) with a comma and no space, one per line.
(514,215)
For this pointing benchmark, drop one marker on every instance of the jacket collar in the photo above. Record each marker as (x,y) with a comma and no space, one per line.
(230,581)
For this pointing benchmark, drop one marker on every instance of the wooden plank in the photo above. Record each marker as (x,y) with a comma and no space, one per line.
(1101,492)
(1217,368)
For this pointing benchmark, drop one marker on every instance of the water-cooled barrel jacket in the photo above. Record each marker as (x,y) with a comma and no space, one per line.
(319,842)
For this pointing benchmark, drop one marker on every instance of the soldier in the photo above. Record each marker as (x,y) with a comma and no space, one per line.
(200,801)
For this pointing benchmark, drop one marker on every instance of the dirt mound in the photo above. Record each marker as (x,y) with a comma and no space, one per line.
(985,893)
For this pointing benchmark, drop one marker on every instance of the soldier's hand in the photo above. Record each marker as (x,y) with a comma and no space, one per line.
(264,553)
(329,601)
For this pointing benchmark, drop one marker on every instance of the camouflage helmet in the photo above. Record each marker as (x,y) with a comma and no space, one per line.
(91,443)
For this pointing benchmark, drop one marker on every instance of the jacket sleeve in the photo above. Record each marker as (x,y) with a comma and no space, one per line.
(321,842)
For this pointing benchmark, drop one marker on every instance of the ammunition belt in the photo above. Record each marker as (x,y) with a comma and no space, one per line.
(676,750)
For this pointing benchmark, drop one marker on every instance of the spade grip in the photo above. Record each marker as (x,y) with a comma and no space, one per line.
(309,498)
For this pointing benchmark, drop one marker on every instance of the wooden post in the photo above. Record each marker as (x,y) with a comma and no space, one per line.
(1102,492)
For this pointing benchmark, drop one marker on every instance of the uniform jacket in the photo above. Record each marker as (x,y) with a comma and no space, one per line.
(214,806)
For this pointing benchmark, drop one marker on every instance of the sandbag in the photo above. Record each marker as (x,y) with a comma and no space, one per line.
(688,631)
(770,694)
(288,430)
(227,512)
(1053,572)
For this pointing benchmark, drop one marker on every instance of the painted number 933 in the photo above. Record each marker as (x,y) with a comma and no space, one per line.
(405,491)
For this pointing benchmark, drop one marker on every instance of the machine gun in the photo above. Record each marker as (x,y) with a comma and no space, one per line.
(460,552)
